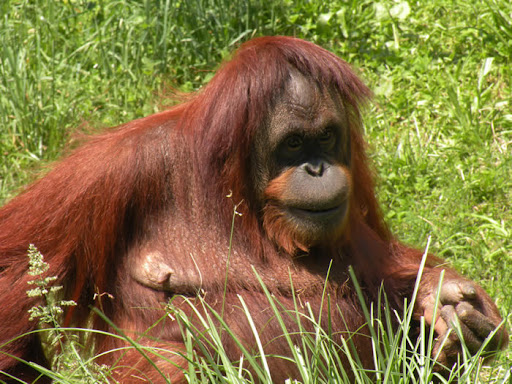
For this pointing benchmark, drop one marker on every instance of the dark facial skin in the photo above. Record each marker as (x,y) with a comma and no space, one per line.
(307,149)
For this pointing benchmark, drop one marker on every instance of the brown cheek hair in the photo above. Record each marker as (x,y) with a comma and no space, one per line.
(288,235)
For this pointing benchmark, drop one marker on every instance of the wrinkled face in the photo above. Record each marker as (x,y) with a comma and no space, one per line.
(303,177)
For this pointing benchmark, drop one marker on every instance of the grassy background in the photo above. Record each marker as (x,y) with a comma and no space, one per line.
(440,130)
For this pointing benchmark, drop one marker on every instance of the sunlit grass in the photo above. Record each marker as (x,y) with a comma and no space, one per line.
(401,354)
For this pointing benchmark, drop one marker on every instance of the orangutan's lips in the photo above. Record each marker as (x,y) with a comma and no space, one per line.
(317,212)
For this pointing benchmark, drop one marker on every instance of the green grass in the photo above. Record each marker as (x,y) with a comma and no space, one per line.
(317,352)
(439,132)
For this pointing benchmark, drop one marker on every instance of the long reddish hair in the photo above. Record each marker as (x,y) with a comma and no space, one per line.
(224,117)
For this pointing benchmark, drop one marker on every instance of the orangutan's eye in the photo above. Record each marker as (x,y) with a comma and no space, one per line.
(326,137)
(294,143)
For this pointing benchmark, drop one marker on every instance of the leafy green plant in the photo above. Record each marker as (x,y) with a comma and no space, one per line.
(69,360)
